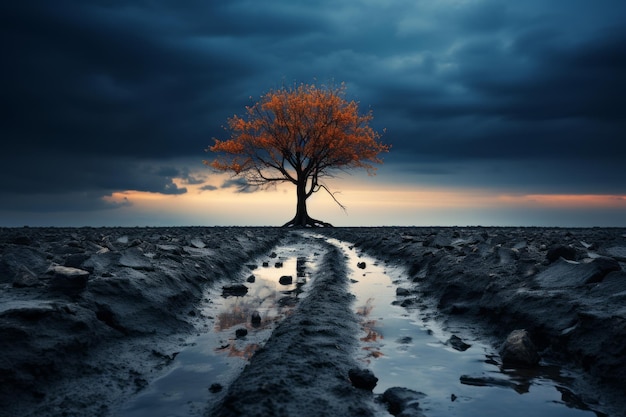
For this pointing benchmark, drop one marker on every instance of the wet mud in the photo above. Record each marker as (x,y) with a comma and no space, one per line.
(109,321)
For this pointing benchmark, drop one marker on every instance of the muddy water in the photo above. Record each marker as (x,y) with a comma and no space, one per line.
(199,375)
(406,349)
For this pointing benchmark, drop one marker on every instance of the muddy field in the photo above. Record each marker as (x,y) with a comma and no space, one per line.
(92,320)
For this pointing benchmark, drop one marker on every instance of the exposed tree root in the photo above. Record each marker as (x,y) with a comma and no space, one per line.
(297,222)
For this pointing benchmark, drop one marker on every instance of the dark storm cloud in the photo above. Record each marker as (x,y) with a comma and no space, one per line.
(102,96)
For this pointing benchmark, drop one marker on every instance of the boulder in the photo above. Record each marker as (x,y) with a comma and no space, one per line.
(518,350)
(561,251)
(134,258)
(564,273)
(197,243)
(68,278)
(25,278)
(403,402)
(439,241)
(362,379)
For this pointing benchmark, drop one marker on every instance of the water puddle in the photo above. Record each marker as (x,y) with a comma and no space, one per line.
(237,321)
(460,376)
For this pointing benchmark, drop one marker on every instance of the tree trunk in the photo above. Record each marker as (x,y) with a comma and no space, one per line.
(302,218)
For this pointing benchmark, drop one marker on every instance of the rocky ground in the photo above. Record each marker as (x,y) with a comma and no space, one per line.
(89,316)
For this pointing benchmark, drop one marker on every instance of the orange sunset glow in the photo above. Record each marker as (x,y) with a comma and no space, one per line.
(373,205)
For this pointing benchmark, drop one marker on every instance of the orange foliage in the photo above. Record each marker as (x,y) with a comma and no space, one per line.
(297,135)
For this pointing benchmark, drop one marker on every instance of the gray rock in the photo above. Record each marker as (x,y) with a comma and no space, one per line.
(457,343)
(518,350)
(560,251)
(361,265)
(403,402)
(571,274)
(236,290)
(135,258)
(13,258)
(285,280)
(402,291)
(25,278)
(215,388)
(489,381)
(197,243)
(439,241)
(362,378)
(255,319)
(68,278)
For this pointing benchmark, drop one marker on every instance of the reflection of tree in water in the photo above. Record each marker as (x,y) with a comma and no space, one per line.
(238,310)
(245,353)
(264,299)
(371,334)
(366,309)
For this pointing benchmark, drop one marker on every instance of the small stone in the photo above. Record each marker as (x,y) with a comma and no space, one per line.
(255,319)
(251,279)
(236,290)
(402,292)
(518,350)
(362,378)
(241,333)
(361,265)
(215,388)
(278,264)
(285,280)
(457,343)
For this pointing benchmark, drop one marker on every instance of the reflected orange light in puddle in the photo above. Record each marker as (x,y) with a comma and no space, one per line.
(245,353)
(371,335)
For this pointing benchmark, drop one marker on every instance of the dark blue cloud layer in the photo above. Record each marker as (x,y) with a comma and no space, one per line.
(102,95)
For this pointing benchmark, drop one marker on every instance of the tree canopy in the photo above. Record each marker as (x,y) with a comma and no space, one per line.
(299,135)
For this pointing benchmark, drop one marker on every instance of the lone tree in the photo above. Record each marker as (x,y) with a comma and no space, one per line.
(298,135)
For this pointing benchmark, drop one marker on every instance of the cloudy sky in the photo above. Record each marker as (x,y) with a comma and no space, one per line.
(498,112)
